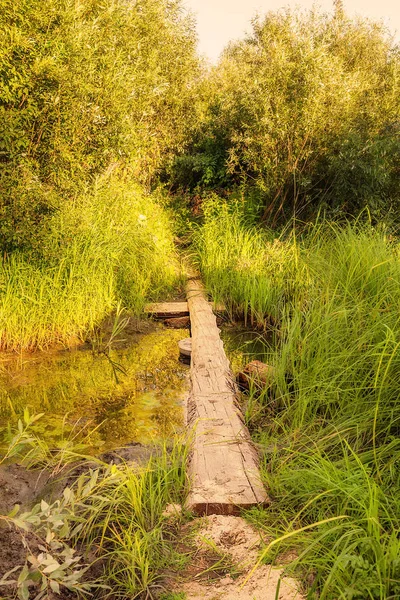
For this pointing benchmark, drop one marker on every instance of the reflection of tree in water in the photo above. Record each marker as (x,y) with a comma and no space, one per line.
(68,386)
(143,417)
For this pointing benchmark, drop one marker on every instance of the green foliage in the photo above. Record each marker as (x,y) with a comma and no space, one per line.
(56,565)
(121,513)
(112,246)
(116,512)
(329,420)
(84,87)
(306,110)
(250,270)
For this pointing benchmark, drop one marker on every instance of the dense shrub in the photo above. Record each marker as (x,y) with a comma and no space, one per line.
(86,87)
(306,109)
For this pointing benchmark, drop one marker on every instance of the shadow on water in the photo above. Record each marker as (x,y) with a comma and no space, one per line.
(243,345)
(81,396)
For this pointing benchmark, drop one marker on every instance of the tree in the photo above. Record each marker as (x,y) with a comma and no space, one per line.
(86,87)
(306,112)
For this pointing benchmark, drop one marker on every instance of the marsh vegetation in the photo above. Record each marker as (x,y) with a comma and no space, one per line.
(276,173)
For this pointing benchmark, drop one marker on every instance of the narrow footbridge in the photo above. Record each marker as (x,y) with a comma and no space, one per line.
(224,466)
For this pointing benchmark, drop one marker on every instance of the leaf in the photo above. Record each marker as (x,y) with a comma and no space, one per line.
(23,592)
(36,417)
(51,568)
(23,575)
(43,505)
(67,493)
(77,529)
(4,581)
(26,416)
(14,511)
(55,586)
(21,524)
(64,531)
(35,577)
(49,536)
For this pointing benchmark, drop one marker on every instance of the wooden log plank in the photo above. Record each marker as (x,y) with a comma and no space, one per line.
(224,465)
(170,310)
(167,310)
(258,373)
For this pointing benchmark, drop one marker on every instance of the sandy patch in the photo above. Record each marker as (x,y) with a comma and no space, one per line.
(236,539)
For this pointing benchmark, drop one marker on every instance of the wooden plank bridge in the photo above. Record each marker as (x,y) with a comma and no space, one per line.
(223,467)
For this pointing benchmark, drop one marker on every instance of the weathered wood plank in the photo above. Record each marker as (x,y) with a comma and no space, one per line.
(224,465)
(167,310)
(258,373)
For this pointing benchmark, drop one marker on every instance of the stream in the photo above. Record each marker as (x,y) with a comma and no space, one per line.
(102,399)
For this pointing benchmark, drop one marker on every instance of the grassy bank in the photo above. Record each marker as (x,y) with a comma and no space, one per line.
(329,421)
(104,532)
(248,268)
(112,246)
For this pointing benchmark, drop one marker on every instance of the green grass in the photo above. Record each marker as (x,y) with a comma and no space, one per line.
(329,422)
(121,516)
(114,246)
(114,515)
(249,269)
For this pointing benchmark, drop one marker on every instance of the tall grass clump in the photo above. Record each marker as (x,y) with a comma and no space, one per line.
(122,516)
(114,245)
(250,269)
(329,422)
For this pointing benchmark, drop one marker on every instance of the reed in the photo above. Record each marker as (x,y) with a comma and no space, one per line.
(114,246)
(121,514)
(328,423)
(250,269)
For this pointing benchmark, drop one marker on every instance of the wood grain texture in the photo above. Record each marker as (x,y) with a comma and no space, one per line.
(167,310)
(170,310)
(224,464)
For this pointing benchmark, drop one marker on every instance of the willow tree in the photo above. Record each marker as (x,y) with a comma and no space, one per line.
(86,87)
(305,110)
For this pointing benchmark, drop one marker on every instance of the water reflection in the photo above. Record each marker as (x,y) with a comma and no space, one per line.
(78,387)
(243,345)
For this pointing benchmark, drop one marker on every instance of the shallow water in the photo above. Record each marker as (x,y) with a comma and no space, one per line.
(243,345)
(134,394)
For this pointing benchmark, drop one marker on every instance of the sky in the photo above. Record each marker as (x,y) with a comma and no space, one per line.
(219,21)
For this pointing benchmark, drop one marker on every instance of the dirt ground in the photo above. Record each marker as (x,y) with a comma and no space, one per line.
(19,485)
(234,547)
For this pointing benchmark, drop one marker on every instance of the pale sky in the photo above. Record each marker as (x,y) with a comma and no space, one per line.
(219,21)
